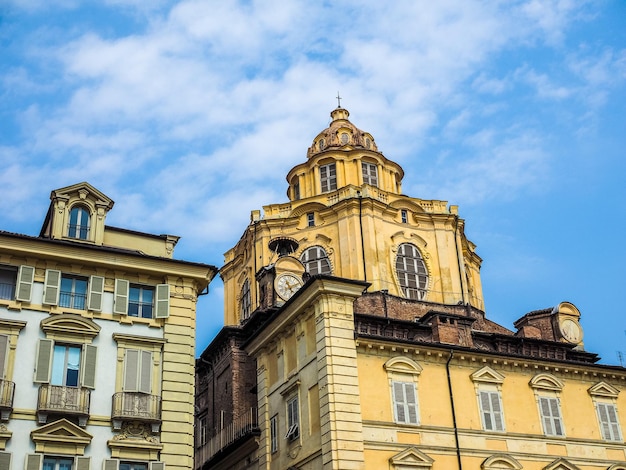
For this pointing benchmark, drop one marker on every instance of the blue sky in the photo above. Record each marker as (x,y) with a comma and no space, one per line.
(189,115)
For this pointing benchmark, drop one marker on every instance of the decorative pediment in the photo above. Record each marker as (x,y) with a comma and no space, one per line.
(62,437)
(546,382)
(561,464)
(501,462)
(403,365)
(603,389)
(487,375)
(411,458)
(69,324)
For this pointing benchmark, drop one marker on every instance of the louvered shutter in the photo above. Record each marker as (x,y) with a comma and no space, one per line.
(25,279)
(83,463)
(5,460)
(162,309)
(398,402)
(131,370)
(96,291)
(51,287)
(120,302)
(411,402)
(44,361)
(556,417)
(4,341)
(157,465)
(544,405)
(145,376)
(89,366)
(485,409)
(33,461)
(613,422)
(110,464)
(496,408)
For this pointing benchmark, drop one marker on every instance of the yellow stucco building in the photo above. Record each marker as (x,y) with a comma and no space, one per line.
(97,343)
(359,312)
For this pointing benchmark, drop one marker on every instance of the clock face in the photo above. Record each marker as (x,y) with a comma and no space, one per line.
(571,330)
(287,284)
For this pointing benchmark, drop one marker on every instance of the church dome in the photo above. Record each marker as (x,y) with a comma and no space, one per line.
(340,134)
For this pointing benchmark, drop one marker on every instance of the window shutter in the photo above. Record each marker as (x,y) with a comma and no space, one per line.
(83,463)
(33,461)
(497,411)
(613,422)
(157,465)
(131,370)
(411,401)
(162,301)
(545,413)
(96,291)
(120,303)
(25,279)
(485,409)
(110,464)
(51,287)
(5,460)
(398,401)
(145,377)
(4,341)
(44,361)
(89,367)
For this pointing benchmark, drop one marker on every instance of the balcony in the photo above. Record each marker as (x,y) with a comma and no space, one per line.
(67,401)
(238,431)
(136,406)
(7,390)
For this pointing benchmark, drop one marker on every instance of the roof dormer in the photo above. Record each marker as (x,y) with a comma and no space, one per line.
(77,213)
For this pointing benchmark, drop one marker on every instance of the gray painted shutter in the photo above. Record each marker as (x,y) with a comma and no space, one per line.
(51,287)
(120,303)
(145,377)
(486,410)
(162,301)
(545,413)
(25,279)
(96,291)
(33,461)
(83,463)
(89,366)
(398,401)
(411,400)
(44,361)
(497,411)
(5,460)
(110,464)
(131,370)
(4,341)
(157,465)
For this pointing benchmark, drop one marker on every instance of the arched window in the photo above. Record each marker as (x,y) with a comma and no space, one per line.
(411,272)
(79,223)
(315,261)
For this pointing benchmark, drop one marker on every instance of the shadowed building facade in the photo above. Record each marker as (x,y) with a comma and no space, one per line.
(356,338)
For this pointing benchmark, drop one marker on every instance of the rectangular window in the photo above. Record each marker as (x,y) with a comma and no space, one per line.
(274,433)
(551,416)
(55,463)
(405,402)
(65,365)
(4,343)
(310,217)
(491,410)
(609,424)
(370,173)
(404,216)
(73,292)
(328,177)
(140,301)
(203,431)
(293,419)
(296,190)
(133,466)
(8,278)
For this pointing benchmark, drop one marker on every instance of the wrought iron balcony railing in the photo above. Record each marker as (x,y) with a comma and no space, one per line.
(244,426)
(7,390)
(58,399)
(136,406)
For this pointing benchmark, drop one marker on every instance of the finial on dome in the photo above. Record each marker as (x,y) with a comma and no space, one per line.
(338,100)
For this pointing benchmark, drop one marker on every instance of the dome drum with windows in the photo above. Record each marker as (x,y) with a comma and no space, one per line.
(346,216)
